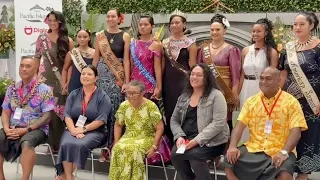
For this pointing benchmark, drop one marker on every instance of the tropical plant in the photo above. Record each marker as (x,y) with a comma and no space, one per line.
(282,34)
(7,39)
(72,10)
(5,82)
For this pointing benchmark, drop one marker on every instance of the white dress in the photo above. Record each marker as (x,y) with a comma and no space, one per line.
(252,65)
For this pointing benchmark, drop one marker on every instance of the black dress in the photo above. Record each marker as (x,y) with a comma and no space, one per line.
(75,76)
(77,150)
(308,148)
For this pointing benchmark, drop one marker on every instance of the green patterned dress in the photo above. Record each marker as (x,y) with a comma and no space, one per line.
(128,154)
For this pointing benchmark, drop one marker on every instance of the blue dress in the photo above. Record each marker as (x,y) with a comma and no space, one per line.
(75,76)
(77,150)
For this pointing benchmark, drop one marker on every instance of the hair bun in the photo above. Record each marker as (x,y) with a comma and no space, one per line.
(217,18)
(315,20)
(267,22)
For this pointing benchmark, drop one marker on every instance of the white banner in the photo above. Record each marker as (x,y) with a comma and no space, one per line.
(29,24)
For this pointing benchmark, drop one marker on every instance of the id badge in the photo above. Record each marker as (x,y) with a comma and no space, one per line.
(181,149)
(81,121)
(268,127)
(17,114)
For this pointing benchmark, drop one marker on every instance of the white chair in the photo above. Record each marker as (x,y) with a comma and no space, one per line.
(163,166)
(50,152)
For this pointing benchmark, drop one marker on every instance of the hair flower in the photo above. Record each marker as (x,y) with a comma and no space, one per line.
(226,22)
(46,20)
(121,18)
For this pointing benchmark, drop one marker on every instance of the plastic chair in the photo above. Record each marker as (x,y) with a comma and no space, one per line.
(163,166)
(52,157)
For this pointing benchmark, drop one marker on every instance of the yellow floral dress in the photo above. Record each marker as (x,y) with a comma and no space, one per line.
(128,154)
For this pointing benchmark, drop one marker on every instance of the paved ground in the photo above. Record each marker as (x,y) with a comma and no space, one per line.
(45,173)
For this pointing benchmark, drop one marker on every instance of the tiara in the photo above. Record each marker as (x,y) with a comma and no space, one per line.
(177,12)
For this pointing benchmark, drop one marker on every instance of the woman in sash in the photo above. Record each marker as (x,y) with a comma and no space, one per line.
(180,53)
(255,59)
(146,59)
(225,58)
(113,64)
(53,47)
(303,58)
(81,57)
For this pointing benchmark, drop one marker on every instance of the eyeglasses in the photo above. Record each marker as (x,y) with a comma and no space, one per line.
(130,94)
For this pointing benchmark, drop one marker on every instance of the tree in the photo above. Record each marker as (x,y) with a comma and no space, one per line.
(4,13)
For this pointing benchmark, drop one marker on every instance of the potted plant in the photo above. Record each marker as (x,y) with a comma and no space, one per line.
(5,82)
(7,41)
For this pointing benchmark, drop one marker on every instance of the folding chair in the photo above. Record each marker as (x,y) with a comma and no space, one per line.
(163,166)
(52,157)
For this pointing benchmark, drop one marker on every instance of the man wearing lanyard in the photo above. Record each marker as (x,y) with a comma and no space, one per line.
(25,117)
(275,121)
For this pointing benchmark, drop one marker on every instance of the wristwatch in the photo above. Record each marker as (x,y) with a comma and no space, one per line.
(29,129)
(284,152)
(84,129)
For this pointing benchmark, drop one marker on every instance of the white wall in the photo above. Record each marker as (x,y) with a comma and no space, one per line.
(84,2)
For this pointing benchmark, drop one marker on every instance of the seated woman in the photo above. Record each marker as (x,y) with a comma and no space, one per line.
(144,127)
(86,116)
(199,125)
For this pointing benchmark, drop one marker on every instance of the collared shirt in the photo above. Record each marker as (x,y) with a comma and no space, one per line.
(287,114)
(42,101)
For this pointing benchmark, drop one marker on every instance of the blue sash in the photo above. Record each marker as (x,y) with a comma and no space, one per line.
(140,66)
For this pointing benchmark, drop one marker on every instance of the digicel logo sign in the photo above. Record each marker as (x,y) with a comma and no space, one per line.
(30,30)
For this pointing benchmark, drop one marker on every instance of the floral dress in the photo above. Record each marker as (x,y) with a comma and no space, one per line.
(128,154)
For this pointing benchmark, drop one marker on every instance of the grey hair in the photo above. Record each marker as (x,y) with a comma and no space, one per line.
(30,57)
(138,84)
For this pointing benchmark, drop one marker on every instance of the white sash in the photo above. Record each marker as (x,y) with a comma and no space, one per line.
(77,59)
(300,77)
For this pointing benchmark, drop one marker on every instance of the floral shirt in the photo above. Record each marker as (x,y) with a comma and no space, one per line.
(42,101)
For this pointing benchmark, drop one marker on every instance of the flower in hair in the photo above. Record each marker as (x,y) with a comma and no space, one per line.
(121,18)
(46,20)
(226,22)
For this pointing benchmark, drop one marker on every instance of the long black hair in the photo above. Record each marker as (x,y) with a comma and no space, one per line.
(219,19)
(63,39)
(209,81)
(311,18)
(151,21)
(89,34)
(269,40)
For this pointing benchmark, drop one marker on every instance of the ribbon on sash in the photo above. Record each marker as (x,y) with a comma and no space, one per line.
(301,78)
(168,48)
(225,87)
(77,59)
(110,58)
(53,62)
(140,66)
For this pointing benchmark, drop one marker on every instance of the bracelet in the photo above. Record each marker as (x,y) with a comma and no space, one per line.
(154,147)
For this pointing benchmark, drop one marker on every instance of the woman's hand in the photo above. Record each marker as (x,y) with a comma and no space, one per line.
(65,87)
(79,136)
(180,141)
(156,94)
(76,131)
(150,152)
(124,88)
(191,144)
(318,110)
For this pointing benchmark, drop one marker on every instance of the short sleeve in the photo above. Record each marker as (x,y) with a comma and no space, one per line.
(104,108)
(296,116)
(244,113)
(69,103)
(47,97)
(235,65)
(155,114)
(6,102)
(120,114)
(282,60)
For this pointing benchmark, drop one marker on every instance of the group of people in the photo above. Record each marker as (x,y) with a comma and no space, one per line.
(138,96)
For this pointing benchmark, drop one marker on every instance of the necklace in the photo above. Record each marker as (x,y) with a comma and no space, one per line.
(28,97)
(112,38)
(85,53)
(217,46)
(302,46)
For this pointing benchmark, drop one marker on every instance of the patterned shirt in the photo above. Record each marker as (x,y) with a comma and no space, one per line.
(42,101)
(286,115)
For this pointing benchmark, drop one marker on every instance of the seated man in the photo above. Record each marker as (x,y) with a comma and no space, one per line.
(275,121)
(25,117)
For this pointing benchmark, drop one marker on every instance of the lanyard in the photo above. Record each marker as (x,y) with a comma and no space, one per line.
(274,104)
(84,104)
(28,92)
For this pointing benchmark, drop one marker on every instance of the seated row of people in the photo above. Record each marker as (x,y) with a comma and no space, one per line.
(274,118)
